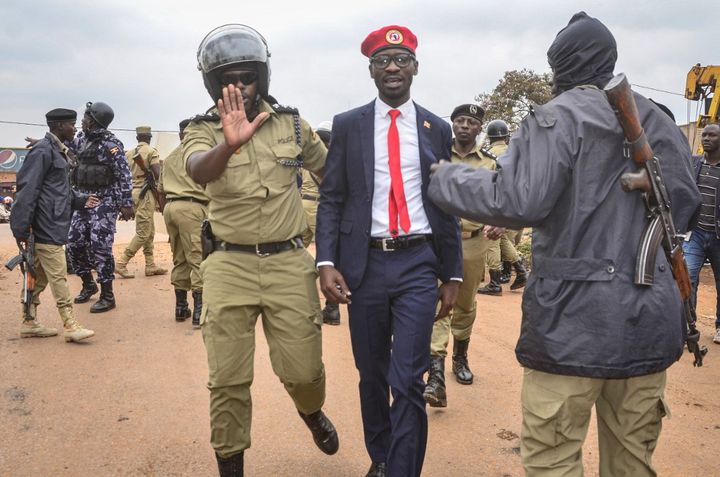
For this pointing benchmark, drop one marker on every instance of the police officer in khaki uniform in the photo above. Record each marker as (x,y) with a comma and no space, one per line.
(310,197)
(144,203)
(467,125)
(185,210)
(247,152)
(498,134)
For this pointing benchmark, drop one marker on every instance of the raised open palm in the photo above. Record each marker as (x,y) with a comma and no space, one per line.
(236,127)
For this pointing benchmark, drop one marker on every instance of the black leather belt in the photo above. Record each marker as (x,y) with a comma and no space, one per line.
(188,199)
(261,249)
(399,243)
(310,197)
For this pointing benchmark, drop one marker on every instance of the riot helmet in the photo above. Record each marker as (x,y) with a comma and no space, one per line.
(497,129)
(233,45)
(100,112)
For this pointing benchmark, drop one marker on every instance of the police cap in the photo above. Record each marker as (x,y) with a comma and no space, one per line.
(60,114)
(143,130)
(472,110)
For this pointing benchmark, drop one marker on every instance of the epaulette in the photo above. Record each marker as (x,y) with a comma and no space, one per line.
(279,108)
(488,153)
(206,117)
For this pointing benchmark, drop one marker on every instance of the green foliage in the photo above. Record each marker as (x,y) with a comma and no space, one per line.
(512,97)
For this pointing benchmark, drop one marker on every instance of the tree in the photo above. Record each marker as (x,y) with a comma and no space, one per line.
(512,97)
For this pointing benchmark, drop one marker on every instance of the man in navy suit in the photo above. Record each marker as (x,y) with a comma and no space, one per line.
(383,243)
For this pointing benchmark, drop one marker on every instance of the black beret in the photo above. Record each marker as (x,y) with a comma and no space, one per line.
(472,110)
(61,114)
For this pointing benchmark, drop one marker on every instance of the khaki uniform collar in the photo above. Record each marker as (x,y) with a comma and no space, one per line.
(475,150)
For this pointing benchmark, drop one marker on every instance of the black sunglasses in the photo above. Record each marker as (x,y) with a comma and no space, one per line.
(380,62)
(244,77)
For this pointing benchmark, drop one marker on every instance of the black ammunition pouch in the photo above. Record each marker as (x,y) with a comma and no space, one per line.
(92,176)
(91,173)
(207,239)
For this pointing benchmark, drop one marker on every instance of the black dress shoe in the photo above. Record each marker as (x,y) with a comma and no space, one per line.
(323,431)
(377,469)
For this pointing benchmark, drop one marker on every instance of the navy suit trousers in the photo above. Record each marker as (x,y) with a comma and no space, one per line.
(391,319)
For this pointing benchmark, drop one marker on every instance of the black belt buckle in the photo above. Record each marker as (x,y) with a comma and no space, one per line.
(260,253)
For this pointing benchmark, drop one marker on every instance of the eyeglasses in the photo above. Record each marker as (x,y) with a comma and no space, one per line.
(244,77)
(380,62)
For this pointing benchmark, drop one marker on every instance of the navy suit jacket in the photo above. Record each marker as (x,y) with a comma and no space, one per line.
(344,214)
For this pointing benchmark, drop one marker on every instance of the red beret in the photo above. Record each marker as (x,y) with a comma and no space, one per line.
(391,36)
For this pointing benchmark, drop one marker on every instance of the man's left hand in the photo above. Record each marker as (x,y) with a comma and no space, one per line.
(493,233)
(438,165)
(448,293)
(92,202)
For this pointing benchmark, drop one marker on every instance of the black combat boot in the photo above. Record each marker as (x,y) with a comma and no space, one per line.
(460,367)
(434,393)
(232,466)
(182,310)
(493,287)
(197,308)
(331,314)
(506,272)
(89,288)
(323,431)
(106,301)
(521,275)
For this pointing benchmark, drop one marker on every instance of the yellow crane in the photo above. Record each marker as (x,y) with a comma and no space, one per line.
(700,86)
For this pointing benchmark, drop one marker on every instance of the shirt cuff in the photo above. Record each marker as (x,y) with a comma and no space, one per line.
(455,279)
(324,264)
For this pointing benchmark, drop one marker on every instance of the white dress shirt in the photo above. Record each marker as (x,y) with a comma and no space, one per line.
(409,165)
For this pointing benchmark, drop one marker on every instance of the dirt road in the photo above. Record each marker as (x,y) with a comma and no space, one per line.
(132,400)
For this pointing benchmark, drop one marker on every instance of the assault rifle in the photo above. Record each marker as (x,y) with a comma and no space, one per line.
(26,260)
(661,229)
(150,183)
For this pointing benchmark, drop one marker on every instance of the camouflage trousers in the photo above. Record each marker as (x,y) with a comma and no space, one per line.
(90,241)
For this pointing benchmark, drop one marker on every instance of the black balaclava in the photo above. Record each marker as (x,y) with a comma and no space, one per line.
(584,52)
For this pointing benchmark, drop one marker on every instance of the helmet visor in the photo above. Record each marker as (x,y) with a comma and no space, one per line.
(230,44)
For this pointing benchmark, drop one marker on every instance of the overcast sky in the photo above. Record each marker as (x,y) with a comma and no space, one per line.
(140,57)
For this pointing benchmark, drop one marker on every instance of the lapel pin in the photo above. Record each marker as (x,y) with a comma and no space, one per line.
(426,124)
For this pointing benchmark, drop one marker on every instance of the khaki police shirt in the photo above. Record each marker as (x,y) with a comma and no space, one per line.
(477,159)
(498,148)
(309,184)
(150,157)
(175,180)
(255,200)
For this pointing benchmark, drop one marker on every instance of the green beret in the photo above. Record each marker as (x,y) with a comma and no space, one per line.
(472,110)
(60,114)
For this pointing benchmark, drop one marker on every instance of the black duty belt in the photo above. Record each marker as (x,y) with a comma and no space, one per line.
(399,243)
(187,199)
(261,249)
(310,197)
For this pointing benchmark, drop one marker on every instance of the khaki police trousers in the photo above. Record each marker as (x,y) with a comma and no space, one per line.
(462,318)
(144,228)
(281,289)
(508,241)
(310,207)
(556,415)
(51,269)
(183,220)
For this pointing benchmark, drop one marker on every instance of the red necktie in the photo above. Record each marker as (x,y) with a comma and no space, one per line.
(397,205)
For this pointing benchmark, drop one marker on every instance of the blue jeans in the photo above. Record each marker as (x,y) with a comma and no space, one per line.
(703,245)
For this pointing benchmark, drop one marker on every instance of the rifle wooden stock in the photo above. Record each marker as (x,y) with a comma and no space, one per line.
(681,274)
(620,96)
